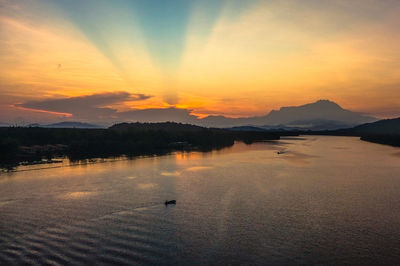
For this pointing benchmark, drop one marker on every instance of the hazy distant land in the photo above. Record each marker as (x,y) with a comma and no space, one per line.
(78,140)
(385,131)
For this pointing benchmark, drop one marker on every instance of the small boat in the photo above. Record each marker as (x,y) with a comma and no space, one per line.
(280,152)
(170,202)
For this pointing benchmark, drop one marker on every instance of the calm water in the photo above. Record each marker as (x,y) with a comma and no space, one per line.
(325,200)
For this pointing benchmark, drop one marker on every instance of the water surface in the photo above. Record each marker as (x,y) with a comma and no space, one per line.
(323,200)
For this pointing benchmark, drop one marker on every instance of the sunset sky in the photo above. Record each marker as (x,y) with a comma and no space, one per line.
(92,60)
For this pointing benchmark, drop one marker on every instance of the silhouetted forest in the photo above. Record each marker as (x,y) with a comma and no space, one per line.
(19,144)
(393,140)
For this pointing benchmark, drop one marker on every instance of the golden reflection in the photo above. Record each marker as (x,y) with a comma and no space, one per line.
(168,173)
(198,168)
(184,156)
(145,186)
(78,195)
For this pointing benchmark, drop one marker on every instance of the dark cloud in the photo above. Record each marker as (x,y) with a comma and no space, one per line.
(94,108)
(86,107)
(139,97)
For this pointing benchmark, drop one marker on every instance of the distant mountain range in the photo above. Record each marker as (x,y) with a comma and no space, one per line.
(320,115)
(66,125)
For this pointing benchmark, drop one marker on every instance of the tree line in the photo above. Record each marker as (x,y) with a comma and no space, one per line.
(131,139)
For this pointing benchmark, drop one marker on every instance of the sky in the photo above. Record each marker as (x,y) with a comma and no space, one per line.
(98,60)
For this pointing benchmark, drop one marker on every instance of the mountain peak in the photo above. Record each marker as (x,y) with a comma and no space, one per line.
(320,112)
(327,103)
(318,105)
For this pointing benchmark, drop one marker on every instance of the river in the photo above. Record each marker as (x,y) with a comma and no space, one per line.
(321,200)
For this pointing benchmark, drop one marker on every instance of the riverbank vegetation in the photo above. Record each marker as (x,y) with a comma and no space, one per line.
(20,144)
(386,131)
